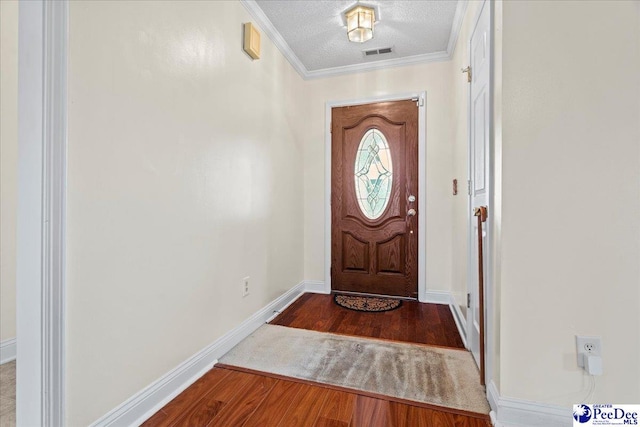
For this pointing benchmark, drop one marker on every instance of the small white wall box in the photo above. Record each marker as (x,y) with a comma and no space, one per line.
(593,365)
(251,40)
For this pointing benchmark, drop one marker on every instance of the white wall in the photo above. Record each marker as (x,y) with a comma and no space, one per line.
(435,78)
(8,165)
(184,176)
(570,198)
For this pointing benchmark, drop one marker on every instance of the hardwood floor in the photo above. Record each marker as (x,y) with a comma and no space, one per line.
(431,324)
(230,398)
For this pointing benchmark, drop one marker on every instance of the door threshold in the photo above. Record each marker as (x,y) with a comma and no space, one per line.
(365,294)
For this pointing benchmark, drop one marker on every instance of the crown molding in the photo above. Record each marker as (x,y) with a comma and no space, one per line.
(458,18)
(378,65)
(274,35)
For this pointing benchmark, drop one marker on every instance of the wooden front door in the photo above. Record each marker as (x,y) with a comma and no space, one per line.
(374,191)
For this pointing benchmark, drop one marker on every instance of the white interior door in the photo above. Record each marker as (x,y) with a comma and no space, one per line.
(479,167)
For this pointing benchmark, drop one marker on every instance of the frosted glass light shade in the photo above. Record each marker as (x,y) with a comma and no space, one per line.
(360,21)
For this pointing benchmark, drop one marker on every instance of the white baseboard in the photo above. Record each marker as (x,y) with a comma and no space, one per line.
(316,287)
(438,297)
(445,297)
(138,408)
(493,397)
(459,319)
(7,350)
(509,412)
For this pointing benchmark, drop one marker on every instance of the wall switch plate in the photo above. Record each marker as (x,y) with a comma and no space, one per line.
(245,286)
(587,346)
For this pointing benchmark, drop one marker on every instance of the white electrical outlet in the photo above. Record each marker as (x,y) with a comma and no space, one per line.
(587,346)
(245,286)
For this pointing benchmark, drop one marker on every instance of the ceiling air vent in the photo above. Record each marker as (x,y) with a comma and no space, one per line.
(373,52)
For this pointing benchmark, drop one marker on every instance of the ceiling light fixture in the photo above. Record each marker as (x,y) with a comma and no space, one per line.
(360,21)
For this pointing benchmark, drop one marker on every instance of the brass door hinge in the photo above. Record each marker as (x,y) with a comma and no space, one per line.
(468,71)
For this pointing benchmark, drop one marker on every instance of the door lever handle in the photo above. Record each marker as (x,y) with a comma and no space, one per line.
(481,211)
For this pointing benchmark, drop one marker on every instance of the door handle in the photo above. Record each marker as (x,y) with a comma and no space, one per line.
(481,212)
(411,212)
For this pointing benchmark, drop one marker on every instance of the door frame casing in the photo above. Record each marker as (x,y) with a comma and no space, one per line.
(422,191)
(40,266)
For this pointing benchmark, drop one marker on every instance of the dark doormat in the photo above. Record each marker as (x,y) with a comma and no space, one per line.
(368,304)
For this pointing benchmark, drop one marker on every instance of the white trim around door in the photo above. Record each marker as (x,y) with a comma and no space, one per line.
(421,98)
(40,275)
(7,350)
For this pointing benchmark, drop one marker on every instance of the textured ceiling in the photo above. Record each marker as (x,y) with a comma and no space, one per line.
(315,33)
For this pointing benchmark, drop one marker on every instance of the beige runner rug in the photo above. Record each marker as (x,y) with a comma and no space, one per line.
(432,375)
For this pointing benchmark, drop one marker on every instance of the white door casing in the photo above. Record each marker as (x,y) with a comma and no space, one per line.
(40,275)
(479,163)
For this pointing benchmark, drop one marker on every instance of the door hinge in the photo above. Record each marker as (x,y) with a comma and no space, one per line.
(468,300)
(469,187)
(468,71)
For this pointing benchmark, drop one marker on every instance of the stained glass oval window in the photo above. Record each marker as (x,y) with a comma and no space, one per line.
(373,174)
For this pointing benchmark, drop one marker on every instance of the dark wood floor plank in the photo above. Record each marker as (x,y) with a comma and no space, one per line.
(328,422)
(431,324)
(206,410)
(215,400)
(305,407)
(462,421)
(399,415)
(371,412)
(273,408)
(188,399)
(337,407)
(157,420)
(422,417)
(336,324)
(239,409)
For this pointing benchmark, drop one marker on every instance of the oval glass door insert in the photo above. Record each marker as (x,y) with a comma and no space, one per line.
(373,174)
